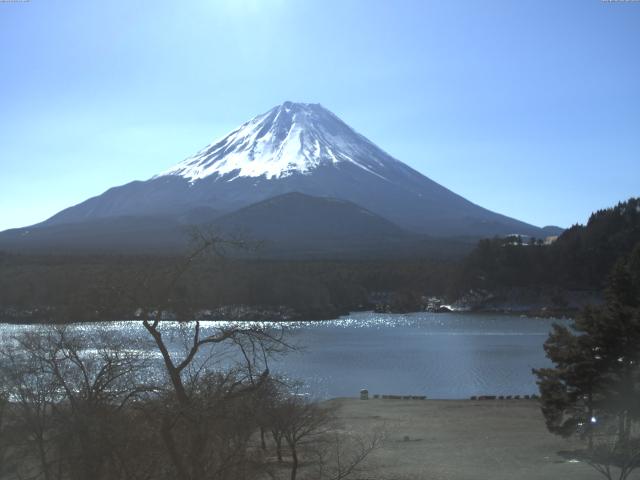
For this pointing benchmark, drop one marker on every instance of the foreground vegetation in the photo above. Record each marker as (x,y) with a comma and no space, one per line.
(77,408)
(593,391)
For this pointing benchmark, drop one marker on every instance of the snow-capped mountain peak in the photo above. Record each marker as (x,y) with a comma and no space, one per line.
(293,148)
(292,138)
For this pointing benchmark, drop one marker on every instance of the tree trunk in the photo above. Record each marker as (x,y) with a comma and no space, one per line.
(263,444)
(43,458)
(590,415)
(294,463)
(197,442)
(174,374)
(167,438)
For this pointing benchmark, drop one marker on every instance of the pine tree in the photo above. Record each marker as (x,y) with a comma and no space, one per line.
(594,387)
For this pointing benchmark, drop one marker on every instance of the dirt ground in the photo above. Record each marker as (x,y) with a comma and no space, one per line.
(461,440)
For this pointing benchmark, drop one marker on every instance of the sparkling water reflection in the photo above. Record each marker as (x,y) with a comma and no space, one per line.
(439,355)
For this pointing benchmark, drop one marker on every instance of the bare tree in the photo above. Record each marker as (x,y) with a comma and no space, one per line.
(609,457)
(32,395)
(302,422)
(7,464)
(343,455)
(199,400)
(314,440)
(67,400)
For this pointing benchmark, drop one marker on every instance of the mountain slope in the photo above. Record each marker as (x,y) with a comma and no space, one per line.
(291,225)
(295,216)
(298,225)
(304,148)
(123,234)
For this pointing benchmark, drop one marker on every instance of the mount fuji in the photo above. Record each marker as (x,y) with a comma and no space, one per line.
(293,148)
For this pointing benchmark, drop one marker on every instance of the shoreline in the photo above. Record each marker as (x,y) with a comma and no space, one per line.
(472,313)
(559,314)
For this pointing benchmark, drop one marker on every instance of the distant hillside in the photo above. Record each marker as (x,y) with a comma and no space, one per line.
(581,258)
(294,224)
(294,217)
(291,225)
(552,230)
(101,235)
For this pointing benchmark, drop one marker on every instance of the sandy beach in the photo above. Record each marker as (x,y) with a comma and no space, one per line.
(461,440)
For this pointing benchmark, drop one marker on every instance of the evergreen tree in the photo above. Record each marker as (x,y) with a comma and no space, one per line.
(594,389)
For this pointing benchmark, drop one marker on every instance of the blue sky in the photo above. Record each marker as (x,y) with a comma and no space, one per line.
(529,108)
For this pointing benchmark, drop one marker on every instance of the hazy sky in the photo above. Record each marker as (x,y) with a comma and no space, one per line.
(529,108)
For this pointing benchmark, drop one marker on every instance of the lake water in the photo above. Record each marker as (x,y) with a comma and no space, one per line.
(442,355)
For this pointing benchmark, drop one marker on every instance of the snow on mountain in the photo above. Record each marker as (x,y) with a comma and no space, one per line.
(290,138)
(295,147)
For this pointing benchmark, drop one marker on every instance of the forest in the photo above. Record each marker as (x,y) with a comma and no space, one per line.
(62,288)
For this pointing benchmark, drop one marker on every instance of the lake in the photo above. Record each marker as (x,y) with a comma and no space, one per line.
(444,355)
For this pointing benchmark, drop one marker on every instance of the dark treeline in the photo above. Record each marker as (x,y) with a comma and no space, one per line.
(89,287)
(580,259)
